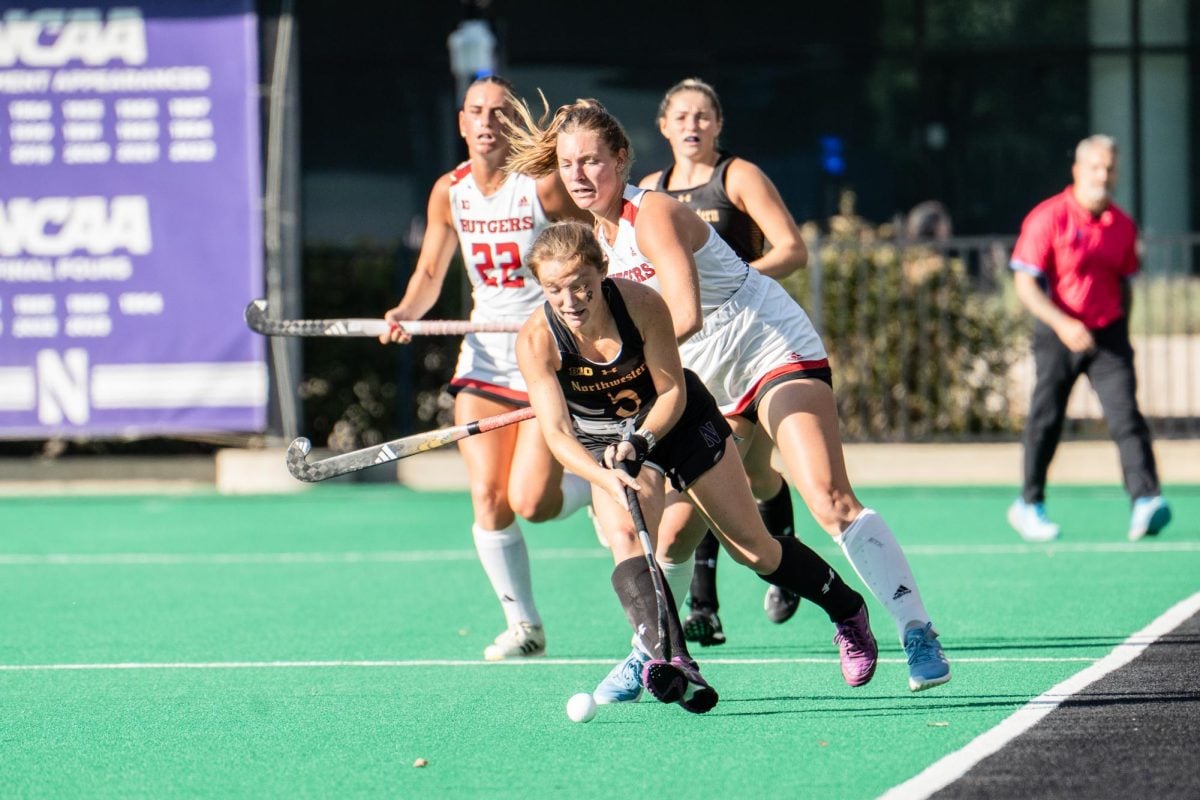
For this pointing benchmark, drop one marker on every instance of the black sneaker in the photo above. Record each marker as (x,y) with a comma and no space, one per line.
(703,626)
(780,604)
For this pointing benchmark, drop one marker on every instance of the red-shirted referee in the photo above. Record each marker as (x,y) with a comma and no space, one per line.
(1072,265)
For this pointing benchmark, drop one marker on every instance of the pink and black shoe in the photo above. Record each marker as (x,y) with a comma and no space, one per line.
(858,648)
(679,681)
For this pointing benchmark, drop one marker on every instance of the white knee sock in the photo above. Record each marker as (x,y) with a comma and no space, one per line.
(679,578)
(576,493)
(877,558)
(506,562)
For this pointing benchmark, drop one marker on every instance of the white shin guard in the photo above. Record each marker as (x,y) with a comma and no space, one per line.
(876,556)
(576,493)
(679,578)
(505,559)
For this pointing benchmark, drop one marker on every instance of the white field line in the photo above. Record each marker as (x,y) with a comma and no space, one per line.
(950,768)
(528,662)
(366,557)
(418,556)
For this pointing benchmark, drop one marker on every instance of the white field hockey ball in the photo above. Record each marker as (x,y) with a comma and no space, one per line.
(581,707)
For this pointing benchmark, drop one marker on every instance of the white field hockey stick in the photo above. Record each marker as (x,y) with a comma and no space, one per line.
(258,321)
(325,468)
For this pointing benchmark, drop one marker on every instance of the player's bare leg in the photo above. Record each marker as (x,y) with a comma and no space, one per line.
(498,538)
(801,417)
(774,500)
(538,489)
(785,562)
(634,587)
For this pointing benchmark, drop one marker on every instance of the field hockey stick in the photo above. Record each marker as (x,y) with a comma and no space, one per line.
(258,321)
(396,449)
(660,591)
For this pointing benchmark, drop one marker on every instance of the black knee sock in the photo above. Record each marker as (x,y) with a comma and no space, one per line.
(805,573)
(704,574)
(777,513)
(634,585)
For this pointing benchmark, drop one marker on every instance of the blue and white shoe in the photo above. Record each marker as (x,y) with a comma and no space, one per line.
(1030,520)
(1150,515)
(624,683)
(927,664)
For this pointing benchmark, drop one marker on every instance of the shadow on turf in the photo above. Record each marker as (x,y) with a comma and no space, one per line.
(1119,699)
(956,646)
(856,706)
(965,645)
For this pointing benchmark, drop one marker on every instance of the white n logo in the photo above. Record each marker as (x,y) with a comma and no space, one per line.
(62,383)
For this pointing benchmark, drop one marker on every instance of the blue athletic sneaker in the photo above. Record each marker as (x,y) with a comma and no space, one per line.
(624,683)
(927,664)
(1150,515)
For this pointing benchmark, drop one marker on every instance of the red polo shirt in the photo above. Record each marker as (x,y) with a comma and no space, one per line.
(1084,258)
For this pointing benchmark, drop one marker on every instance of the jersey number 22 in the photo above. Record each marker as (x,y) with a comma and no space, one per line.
(499,269)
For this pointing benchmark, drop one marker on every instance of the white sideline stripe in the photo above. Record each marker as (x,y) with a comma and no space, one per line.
(528,662)
(1052,547)
(380,557)
(950,768)
(415,556)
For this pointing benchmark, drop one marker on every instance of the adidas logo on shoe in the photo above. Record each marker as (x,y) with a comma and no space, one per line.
(901,591)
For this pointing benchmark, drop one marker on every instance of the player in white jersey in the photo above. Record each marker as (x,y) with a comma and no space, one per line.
(751,344)
(494,217)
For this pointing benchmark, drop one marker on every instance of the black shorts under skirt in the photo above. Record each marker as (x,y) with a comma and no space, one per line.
(694,445)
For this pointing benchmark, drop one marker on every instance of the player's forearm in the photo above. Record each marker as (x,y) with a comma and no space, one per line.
(420,296)
(665,413)
(782,260)
(573,456)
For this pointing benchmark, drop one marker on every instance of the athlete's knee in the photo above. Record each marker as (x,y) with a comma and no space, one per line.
(673,548)
(623,542)
(764,483)
(535,506)
(833,508)
(489,500)
(754,552)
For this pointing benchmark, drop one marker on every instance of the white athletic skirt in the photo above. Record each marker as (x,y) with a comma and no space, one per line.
(487,362)
(759,330)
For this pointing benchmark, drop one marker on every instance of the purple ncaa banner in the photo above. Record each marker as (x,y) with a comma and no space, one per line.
(130,224)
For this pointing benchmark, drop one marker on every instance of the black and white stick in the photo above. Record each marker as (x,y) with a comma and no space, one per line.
(660,591)
(325,468)
(258,321)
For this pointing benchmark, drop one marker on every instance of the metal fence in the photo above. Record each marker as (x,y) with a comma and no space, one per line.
(929,342)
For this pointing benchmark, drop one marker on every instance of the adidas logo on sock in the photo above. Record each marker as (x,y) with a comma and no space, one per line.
(901,591)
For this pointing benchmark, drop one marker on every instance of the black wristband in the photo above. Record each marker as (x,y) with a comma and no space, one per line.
(641,447)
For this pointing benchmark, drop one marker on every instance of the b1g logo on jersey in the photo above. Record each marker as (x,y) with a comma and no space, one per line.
(587,371)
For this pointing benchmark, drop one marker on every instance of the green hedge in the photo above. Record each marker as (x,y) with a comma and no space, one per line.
(920,349)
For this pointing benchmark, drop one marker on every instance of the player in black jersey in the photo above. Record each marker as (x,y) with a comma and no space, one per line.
(743,205)
(601,356)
